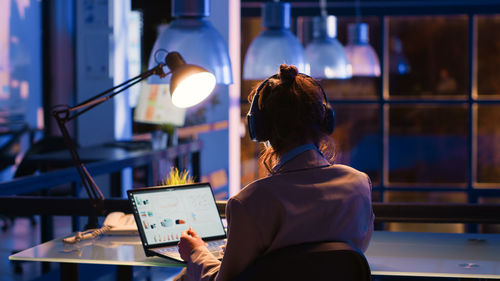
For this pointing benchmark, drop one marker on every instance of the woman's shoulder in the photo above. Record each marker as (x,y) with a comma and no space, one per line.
(255,189)
(352,176)
(346,170)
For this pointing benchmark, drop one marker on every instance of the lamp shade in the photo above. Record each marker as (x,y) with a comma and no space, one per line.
(189,84)
(325,56)
(275,45)
(196,38)
(360,53)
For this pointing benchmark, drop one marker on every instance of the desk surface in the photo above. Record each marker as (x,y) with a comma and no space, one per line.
(435,255)
(106,249)
(390,253)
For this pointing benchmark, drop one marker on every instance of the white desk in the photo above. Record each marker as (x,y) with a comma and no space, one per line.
(389,254)
(435,255)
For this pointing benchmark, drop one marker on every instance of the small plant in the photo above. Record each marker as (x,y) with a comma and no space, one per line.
(176,178)
(167,128)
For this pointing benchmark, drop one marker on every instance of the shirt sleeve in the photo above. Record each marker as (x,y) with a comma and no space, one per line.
(244,245)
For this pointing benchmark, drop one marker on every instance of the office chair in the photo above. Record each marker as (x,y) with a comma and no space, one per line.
(318,261)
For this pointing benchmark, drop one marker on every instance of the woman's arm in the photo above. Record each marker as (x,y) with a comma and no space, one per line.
(244,245)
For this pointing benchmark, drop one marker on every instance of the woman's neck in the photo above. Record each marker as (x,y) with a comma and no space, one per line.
(289,148)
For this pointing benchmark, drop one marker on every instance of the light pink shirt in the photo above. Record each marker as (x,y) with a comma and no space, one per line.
(308,200)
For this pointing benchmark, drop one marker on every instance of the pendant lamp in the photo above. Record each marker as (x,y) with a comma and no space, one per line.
(360,53)
(325,56)
(196,38)
(275,45)
(398,63)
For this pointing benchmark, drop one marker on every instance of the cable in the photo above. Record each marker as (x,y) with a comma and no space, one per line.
(88,234)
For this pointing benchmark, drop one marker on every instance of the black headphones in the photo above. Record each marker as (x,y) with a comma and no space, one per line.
(256,119)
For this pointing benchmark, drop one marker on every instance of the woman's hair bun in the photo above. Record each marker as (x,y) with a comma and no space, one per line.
(288,73)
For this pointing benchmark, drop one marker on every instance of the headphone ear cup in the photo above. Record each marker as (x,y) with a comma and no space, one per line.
(256,127)
(255,121)
(329,120)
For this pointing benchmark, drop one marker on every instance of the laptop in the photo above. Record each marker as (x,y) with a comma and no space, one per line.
(163,213)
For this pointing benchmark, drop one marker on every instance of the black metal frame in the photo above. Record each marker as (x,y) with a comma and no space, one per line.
(382,9)
(385,212)
(470,101)
(251,8)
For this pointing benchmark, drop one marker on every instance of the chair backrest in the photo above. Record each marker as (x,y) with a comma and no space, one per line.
(312,261)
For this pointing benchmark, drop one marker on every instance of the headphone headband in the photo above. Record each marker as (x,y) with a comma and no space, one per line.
(256,126)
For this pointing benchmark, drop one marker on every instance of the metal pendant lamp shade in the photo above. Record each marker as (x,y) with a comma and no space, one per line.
(195,39)
(325,56)
(360,53)
(275,45)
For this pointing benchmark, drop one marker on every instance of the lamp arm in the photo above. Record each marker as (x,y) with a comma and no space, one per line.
(94,192)
(63,116)
(94,101)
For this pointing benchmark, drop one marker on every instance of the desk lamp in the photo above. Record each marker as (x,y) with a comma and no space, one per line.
(189,85)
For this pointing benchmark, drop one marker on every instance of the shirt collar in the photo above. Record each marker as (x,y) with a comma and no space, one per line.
(301,157)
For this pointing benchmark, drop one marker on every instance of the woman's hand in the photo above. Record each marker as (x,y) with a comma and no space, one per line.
(189,240)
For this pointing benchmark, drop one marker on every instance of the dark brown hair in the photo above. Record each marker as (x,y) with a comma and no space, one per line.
(292,106)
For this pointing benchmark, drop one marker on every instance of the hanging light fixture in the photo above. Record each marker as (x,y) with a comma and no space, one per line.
(196,38)
(325,56)
(398,63)
(275,45)
(360,53)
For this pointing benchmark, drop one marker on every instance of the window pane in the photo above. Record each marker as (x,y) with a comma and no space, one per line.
(357,138)
(427,144)
(353,88)
(428,56)
(488,144)
(488,55)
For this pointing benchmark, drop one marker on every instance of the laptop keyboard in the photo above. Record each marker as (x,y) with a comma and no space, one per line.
(214,247)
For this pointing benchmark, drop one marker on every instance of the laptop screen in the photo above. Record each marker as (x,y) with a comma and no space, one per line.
(163,213)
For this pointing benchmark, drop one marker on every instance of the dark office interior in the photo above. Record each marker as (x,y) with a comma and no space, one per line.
(418,112)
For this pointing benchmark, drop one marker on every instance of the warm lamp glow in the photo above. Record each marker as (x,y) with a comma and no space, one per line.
(193,89)
(190,84)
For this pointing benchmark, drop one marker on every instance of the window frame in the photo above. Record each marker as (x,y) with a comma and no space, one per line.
(383,10)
